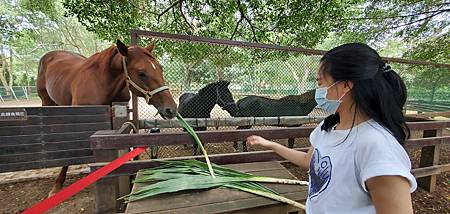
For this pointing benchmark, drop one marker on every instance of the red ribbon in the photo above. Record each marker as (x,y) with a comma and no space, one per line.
(76,187)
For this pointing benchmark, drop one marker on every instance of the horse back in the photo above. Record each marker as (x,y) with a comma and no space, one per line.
(56,73)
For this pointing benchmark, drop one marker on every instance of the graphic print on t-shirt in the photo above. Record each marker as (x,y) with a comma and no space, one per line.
(320,169)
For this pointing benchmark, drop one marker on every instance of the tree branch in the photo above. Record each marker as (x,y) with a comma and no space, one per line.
(184,17)
(415,21)
(167,9)
(236,28)
(247,19)
(394,17)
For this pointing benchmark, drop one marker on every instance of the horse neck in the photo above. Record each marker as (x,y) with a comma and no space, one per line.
(108,74)
(208,97)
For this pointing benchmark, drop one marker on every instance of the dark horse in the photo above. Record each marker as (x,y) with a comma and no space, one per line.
(200,105)
(292,105)
(66,78)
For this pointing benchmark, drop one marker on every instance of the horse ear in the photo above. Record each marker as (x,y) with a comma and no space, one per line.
(150,47)
(122,48)
(224,83)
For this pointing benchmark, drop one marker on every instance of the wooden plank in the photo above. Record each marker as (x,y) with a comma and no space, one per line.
(428,125)
(10,167)
(17,158)
(116,141)
(423,142)
(107,188)
(66,145)
(431,114)
(38,138)
(41,147)
(44,155)
(69,161)
(59,128)
(25,148)
(68,153)
(252,205)
(431,170)
(121,116)
(232,121)
(63,119)
(121,141)
(429,157)
(220,200)
(132,167)
(67,110)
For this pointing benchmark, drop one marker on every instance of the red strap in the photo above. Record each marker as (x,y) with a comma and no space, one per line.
(73,189)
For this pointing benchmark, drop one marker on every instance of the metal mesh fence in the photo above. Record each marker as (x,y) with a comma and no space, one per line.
(17,93)
(192,66)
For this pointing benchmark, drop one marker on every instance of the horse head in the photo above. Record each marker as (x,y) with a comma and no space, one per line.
(144,76)
(224,97)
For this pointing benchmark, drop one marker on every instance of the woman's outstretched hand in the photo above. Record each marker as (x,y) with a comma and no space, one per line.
(257,140)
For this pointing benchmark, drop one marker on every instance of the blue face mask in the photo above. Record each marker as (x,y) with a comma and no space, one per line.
(324,103)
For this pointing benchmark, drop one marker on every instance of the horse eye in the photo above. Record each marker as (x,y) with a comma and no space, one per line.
(141,74)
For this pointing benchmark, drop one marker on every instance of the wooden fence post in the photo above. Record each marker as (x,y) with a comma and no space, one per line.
(107,190)
(429,157)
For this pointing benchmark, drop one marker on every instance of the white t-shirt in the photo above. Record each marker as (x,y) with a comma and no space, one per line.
(339,169)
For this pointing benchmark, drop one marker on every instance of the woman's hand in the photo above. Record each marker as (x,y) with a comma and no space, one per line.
(257,140)
(297,157)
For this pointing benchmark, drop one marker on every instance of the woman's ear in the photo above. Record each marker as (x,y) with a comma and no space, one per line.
(348,85)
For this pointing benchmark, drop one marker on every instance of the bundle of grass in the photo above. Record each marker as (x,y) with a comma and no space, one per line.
(174,176)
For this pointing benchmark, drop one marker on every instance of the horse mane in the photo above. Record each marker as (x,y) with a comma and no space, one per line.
(208,88)
(102,59)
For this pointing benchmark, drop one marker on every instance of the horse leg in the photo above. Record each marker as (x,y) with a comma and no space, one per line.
(195,149)
(47,101)
(236,143)
(59,181)
(291,142)
(243,143)
(195,146)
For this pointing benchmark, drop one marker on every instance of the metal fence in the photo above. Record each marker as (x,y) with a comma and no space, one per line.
(191,63)
(17,93)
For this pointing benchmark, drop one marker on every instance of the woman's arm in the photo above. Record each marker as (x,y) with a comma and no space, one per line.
(390,194)
(298,158)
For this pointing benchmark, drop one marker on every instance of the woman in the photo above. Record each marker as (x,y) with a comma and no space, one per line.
(356,163)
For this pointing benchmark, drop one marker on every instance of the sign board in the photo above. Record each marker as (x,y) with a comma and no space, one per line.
(13,114)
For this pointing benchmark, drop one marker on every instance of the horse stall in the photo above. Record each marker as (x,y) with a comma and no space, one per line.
(258,162)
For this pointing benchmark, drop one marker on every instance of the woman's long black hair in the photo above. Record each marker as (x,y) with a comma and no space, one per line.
(378,91)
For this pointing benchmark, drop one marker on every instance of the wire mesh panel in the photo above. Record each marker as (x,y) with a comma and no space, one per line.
(224,79)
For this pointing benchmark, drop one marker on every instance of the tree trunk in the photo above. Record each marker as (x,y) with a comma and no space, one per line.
(433,91)
(2,73)
(11,77)
(305,77)
(219,73)
(296,77)
(190,69)
(188,80)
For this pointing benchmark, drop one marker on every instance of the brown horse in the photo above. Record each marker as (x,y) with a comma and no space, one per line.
(66,78)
